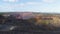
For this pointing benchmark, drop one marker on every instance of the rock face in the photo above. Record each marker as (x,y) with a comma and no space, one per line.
(24,15)
(27,15)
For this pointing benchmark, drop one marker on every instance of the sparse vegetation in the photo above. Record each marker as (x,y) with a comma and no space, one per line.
(39,22)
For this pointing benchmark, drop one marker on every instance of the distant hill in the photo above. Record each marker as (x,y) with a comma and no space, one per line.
(26,15)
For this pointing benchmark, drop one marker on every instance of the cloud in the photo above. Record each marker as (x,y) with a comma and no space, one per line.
(28,6)
(10,0)
(9,7)
(50,9)
(49,1)
(22,4)
(33,3)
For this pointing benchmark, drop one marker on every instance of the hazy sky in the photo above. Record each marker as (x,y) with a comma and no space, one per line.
(30,5)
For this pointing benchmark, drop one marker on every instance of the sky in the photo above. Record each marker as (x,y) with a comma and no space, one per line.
(51,6)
